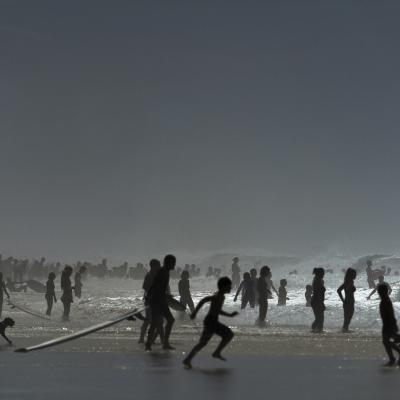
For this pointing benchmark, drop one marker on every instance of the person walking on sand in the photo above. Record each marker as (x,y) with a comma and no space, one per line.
(348,300)
(317,300)
(159,304)
(390,336)
(211,324)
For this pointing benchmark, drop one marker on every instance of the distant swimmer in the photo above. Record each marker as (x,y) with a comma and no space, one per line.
(282,293)
(308,295)
(3,290)
(50,292)
(7,322)
(66,288)
(348,300)
(381,281)
(184,291)
(155,265)
(390,336)
(159,304)
(318,299)
(246,287)
(263,295)
(211,324)
(235,273)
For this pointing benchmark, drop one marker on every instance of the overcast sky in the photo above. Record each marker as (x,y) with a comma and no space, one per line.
(133,128)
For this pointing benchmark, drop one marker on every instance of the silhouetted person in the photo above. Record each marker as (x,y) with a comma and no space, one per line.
(308,295)
(263,295)
(50,292)
(246,287)
(282,293)
(78,282)
(370,277)
(211,324)
(159,304)
(66,288)
(184,291)
(381,281)
(155,265)
(253,275)
(3,290)
(235,273)
(317,300)
(348,300)
(390,336)
(7,322)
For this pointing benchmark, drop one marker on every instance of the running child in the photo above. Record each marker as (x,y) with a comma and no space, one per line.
(211,324)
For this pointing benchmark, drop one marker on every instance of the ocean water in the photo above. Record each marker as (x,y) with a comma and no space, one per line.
(103,299)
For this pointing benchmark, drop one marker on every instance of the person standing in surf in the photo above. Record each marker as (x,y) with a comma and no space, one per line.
(184,291)
(348,299)
(50,293)
(247,289)
(159,304)
(317,300)
(3,290)
(235,273)
(78,282)
(66,288)
(263,295)
(211,324)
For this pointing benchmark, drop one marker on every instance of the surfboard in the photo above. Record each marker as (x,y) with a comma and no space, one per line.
(175,304)
(27,310)
(81,333)
(36,286)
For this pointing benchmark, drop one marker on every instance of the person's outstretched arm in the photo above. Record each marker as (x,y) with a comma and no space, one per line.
(5,337)
(239,290)
(225,314)
(339,292)
(201,304)
(373,292)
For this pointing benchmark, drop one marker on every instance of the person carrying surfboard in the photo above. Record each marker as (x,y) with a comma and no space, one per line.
(158,302)
(211,324)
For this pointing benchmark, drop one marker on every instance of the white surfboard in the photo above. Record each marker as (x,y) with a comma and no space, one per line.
(83,332)
(27,310)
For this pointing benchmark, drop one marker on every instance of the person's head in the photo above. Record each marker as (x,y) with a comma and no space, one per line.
(283,282)
(185,274)
(154,264)
(265,271)
(381,279)
(224,285)
(52,276)
(8,322)
(169,261)
(246,276)
(383,291)
(308,288)
(350,275)
(253,272)
(68,270)
(235,260)
(319,272)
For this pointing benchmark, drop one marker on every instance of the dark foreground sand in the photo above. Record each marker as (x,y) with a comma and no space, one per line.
(111,365)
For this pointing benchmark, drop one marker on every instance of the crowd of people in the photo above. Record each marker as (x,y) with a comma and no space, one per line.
(254,287)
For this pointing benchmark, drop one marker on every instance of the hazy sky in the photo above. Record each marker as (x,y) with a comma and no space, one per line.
(132,128)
